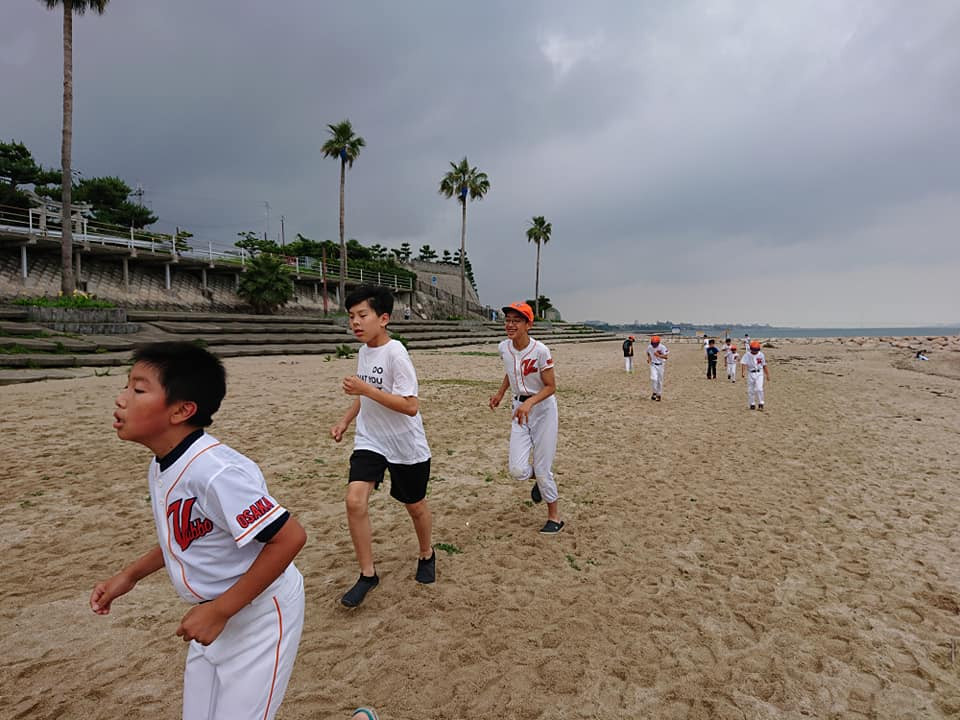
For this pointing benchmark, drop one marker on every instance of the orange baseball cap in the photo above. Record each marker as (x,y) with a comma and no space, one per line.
(655,338)
(520,307)
(754,344)
(632,337)
(733,347)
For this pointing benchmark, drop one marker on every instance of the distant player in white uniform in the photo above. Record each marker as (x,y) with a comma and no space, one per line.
(227,544)
(754,368)
(732,358)
(657,359)
(389,435)
(529,375)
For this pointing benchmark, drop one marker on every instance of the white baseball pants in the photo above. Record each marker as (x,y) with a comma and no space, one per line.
(656,377)
(628,361)
(732,371)
(533,446)
(754,387)
(243,674)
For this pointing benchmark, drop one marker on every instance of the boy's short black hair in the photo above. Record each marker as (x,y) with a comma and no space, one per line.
(711,341)
(187,372)
(379,298)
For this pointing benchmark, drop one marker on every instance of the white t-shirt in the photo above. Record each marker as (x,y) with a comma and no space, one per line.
(658,354)
(208,507)
(398,437)
(523,367)
(731,356)
(754,362)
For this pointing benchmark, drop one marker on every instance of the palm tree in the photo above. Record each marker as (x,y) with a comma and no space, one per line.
(538,232)
(463,181)
(345,146)
(68,282)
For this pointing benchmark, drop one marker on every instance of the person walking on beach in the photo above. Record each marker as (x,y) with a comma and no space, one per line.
(227,544)
(712,352)
(628,353)
(656,358)
(389,435)
(731,357)
(529,375)
(755,363)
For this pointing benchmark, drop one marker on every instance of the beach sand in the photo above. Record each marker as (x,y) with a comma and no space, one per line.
(716,563)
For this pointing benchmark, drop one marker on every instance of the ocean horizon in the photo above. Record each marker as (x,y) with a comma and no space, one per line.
(797,332)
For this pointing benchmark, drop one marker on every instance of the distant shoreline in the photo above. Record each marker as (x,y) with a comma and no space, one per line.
(798,332)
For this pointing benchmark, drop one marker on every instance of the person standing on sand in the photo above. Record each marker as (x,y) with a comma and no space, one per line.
(628,353)
(656,358)
(755,363)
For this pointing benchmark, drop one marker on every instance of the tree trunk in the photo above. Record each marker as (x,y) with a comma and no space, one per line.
(463,260)
(67,280)
(343,243)
(536,289)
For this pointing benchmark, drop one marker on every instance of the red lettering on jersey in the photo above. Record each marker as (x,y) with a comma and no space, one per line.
(253,513)
(528,367)
(185,530)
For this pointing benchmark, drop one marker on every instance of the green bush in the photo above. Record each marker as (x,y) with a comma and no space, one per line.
(267,284)
(344,351)
(78,300)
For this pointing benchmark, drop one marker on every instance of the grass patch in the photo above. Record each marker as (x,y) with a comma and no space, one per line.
(78,300)
(345,351)
(15,349)
(448,548)
(34,334)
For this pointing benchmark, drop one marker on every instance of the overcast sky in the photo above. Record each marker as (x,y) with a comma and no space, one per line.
(791,163)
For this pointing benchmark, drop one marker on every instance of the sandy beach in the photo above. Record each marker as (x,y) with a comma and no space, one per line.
(717,563)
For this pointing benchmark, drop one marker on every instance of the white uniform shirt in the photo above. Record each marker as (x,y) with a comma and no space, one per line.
(731,356)
(658,354)
(398,437)
(753,362)
(208,507)
(523,367)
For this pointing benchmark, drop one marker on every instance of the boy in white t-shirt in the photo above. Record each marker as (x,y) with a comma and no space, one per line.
(227,544)
(529,375)
(754,368)
(389,434)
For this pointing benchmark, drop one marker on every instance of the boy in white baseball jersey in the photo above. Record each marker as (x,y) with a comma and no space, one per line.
(389,435)
(732,357)
(755,363)
(656,358)
(529,375)
(227,544)
(628,353)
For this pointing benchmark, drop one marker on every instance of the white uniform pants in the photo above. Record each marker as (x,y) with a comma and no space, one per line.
(243,674)
(656,377)
(628,361)
(755,387)
(732,371)
(537,438)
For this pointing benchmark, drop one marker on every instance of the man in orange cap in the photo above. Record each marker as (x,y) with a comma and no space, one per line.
(628,353)
(754,363)
(656,358)
(528,374)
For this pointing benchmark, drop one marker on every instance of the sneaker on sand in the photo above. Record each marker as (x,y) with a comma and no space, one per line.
(535,493)
(753,407)
(760,407)
(427,569)
(653,397)
(659,398)
(355,595)
(552,527)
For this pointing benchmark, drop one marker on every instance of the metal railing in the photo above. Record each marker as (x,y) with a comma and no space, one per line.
(38,222)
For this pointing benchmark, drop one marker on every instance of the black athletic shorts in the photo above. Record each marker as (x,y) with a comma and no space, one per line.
(408,483)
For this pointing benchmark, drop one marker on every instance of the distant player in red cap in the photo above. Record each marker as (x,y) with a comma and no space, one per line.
(732,357)
(529,375)
(754,363)
(656,358)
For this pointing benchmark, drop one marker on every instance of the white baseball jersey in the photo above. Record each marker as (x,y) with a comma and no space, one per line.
(658,354)
(395,435)
(754,363)
(208,506)
(523,367)
(731,356)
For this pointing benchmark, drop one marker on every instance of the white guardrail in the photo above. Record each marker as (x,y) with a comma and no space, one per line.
(33,222)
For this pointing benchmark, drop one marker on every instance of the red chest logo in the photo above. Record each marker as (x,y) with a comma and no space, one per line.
(528,367)
(185,530)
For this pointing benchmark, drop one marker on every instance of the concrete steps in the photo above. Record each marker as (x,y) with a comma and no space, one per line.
(26,349)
